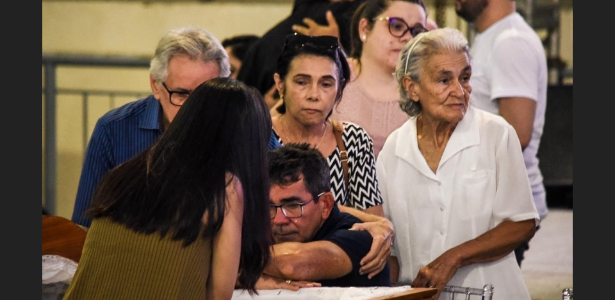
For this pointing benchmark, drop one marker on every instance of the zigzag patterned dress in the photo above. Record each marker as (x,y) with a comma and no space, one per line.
(363,191)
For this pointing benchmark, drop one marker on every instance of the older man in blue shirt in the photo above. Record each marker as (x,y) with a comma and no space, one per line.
(185,57)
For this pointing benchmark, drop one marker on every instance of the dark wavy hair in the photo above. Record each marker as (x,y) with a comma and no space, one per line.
(240,44)
(223,128)
(325,46)
(292,162)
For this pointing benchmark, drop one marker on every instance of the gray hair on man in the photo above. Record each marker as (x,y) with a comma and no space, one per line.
(194,41)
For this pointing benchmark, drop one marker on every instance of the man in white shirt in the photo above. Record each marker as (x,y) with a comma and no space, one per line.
(509,78)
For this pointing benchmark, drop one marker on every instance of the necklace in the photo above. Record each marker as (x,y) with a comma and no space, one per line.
(419,126)
(324,132)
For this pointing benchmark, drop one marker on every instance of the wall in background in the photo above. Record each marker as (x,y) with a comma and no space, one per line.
(133,28)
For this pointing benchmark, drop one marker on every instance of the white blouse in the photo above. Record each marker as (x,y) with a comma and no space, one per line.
(481,181)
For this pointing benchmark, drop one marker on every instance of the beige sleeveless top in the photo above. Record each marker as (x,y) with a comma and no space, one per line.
(118,263)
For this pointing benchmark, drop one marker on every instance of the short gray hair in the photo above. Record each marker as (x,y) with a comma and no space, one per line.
(194,41)
(419,50)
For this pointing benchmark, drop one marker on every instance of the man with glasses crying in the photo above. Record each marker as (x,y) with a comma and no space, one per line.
(314,245)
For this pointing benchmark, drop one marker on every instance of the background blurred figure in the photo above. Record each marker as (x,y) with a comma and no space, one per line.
(510,79)
(236,48)
(431,24)
(259,63)
(185,57)
(452,177)
(179,220)
(380,28)
(313,239)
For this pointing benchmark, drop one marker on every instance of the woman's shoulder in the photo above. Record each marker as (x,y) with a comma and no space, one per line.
(233,185)
(352,127)
(354,134)
(355,67)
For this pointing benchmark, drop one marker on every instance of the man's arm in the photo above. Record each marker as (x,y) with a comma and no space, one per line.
(311,261)
(516,64)
(394,268)
(268,282)
(96,165)
(372,214)
(519,112)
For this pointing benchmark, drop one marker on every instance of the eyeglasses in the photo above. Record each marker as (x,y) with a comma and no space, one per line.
(398,27)
(297,41)
(290,210)
(177,98)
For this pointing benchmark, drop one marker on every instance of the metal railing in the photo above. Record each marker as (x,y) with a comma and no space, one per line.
(50,63)
(486,293)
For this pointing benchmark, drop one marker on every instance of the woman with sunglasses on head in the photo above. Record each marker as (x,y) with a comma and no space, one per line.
(311,74)
(379,30)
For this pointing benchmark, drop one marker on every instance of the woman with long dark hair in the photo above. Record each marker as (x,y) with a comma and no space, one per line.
(188,217)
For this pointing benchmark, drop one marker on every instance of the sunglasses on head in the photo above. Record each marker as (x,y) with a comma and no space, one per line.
(297,41)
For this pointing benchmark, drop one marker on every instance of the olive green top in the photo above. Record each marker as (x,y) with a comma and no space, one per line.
(118,263)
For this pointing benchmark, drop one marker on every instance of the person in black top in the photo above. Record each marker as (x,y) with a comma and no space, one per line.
(315,243)
(259,63)
(236,48)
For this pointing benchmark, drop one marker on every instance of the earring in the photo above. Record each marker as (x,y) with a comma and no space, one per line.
(363,37)
(281,97)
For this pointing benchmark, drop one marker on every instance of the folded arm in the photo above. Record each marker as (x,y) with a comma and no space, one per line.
(311,261)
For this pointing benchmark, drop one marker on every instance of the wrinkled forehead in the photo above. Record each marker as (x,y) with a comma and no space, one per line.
(444,62)
(312,63)
(284,193)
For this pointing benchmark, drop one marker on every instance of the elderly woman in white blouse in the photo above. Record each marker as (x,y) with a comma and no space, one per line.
(452,177)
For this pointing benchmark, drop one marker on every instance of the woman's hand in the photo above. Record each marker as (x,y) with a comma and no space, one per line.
(268,282)
(382,233)
(315,29)
(437,273)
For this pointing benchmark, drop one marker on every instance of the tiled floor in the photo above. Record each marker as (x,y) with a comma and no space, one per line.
(547,267)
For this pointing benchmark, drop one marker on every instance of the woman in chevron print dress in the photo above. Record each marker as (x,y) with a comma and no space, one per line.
(310,75)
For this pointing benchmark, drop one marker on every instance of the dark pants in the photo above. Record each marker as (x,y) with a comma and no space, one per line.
(522,248)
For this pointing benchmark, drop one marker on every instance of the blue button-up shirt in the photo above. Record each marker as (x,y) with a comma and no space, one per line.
(119,135)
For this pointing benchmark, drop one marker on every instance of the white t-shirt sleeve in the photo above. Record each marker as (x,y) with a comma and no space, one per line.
(515,67)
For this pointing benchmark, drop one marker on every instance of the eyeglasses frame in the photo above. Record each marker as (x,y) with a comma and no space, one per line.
(300,205)
(408,28)
(174,92)
(299,40)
